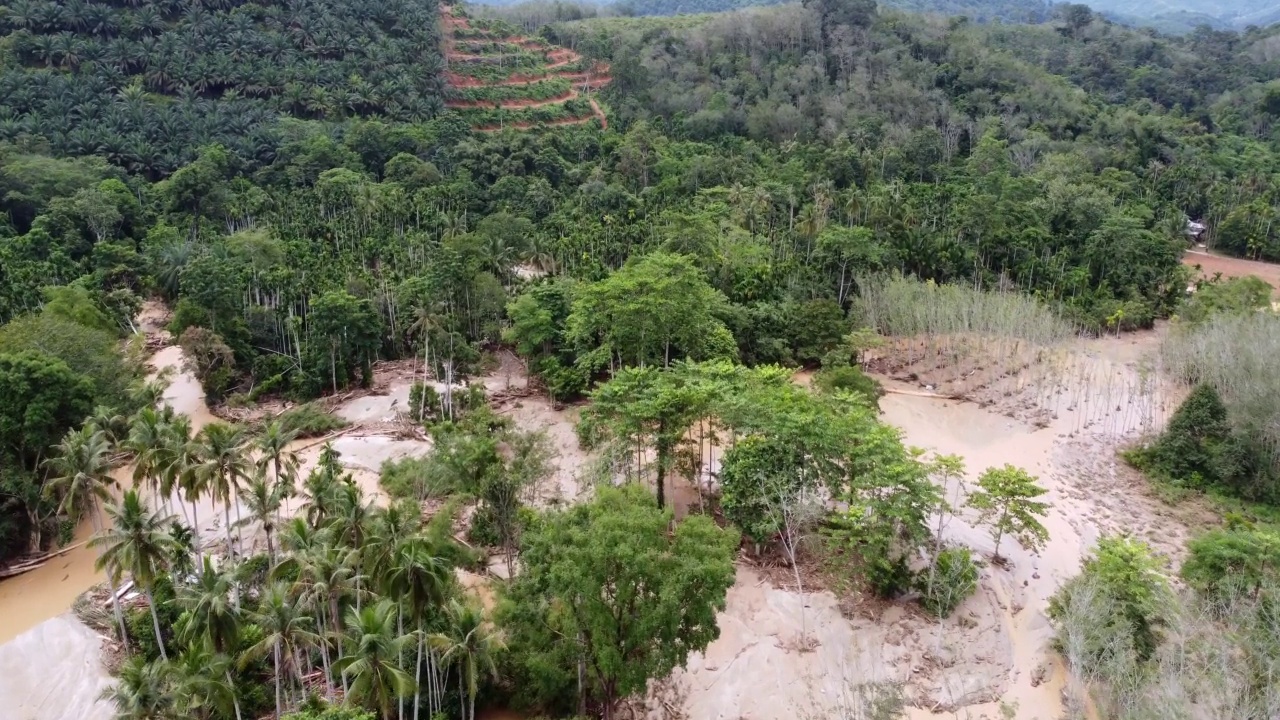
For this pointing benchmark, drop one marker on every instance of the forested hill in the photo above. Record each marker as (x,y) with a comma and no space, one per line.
(146,82)
(1014,11)
(302,222)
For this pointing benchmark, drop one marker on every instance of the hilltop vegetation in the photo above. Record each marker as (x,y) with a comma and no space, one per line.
(501,79)
(147,83)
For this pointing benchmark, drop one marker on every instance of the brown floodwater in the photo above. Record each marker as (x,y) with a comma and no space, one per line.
(48,591)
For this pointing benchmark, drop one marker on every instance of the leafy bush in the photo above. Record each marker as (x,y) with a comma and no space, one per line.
(1198,449)
(316,709)
(1228,564)
(850,378)
(1122,583)
(753,474)
(484,528)
(953,578)
(310,420)
(1234,295)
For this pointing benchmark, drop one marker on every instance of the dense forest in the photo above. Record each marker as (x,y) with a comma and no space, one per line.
(287,179)
(147,83)
(1010,11)
(777,154)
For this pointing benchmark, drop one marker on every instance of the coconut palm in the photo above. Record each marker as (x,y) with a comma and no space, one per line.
(373,649)
(139,543)
(209,612)
(421,579)
(223,465)
(263,501)
(319,490)
(273,444)
(81,467)
(321,584)
(181,470)
(110,423)
(141,691)
(148,441)
(471,644)
(286,633)
(202,684)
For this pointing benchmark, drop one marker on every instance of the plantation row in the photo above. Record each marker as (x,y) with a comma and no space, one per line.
(498,79)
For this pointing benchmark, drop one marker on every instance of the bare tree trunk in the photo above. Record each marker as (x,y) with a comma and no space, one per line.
(235,701)
(276,652)
(111,582)
(417,676)
(155,624)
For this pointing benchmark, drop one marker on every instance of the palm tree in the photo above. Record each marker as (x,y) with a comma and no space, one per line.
(148,442)
(181,465)
(136,542)
(263,501)
(285,633)
(320,583)
(82,477)
(373,650)
(223,464)
(202,683)
(273,444)
(421,579)
(210,616)
(319,490)
(111,423)
(141,691)
(472,644)
(209,612)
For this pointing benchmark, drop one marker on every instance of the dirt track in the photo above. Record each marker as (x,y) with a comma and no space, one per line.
(1231,267)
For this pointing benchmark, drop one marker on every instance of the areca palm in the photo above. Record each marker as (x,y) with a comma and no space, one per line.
(82,478)
(472,644)
(373,649)
(223,464)
(137,542)
(180,470)
(141,691)
(286,632)
(263,501)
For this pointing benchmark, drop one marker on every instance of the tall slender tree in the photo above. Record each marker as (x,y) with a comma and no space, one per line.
(472,644)
(223,464)
(81,470)
(137,542)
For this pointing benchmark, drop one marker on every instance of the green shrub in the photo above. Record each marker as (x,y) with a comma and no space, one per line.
(484,528)
(1228,564)
(954,577)
(887,576)
(1198,449)
(1235,296)
(851,379)
(317,709)
(1123,597)
(310,420)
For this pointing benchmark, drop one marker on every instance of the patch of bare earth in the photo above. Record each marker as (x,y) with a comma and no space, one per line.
(1209,264)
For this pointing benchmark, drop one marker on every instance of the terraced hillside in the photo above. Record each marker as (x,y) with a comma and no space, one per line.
(498,79)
